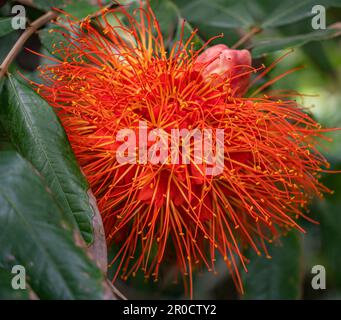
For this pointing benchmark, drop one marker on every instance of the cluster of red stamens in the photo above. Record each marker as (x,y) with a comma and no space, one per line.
(111,77)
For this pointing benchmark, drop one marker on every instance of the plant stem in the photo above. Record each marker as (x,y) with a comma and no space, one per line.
(31,29)
(246,37)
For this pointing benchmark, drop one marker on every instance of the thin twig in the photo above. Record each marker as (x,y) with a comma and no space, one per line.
(246,37)
(31,29)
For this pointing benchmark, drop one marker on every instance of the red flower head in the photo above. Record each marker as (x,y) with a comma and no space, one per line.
(115,84)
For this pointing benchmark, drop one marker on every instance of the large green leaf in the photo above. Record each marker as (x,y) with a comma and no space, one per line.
(220,17)
(278,277)
(51,37)
(217,13)
(48,4)
(6,290)
(266,46)
(290,11)
(6,43)
(35,233)
(5,26)
(37,133)
(80,8)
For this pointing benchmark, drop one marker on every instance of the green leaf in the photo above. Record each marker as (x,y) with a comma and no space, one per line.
(287,12)
(217,13)
(276,278)
(5,26)
(37,133)
(221,17)
(80,8)
(6,290)
(290,11)
(266,46)
(35,233)
(48,4)
(51,38)
(6,43)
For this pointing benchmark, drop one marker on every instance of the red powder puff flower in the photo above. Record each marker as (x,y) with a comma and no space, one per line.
(114,77)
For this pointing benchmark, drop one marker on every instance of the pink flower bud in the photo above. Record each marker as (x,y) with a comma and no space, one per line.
(224,63)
